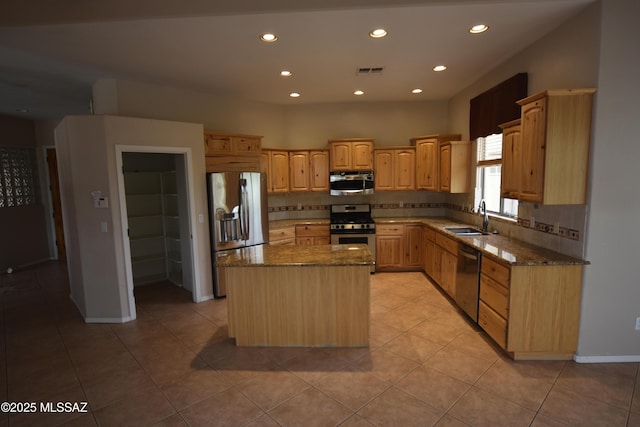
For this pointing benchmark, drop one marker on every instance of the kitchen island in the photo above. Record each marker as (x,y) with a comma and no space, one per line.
(311,296)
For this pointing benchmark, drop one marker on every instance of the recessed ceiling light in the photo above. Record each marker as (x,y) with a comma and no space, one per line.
(378,33)
(416,90)
(286,73)
(22,110)
(477,29)
(294,94)
(439,68)
(268,37)
(358,92)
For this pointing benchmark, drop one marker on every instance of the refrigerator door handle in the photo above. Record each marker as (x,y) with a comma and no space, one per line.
(244,209)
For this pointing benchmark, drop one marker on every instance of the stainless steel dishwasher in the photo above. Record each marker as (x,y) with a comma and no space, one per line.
(468,280)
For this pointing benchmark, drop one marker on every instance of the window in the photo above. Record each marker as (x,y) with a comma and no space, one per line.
(489,175)
(18,177)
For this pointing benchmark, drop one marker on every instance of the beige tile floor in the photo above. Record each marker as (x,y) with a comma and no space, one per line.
(174,366)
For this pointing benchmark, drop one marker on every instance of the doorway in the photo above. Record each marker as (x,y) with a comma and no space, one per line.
(56,205)
(156,210)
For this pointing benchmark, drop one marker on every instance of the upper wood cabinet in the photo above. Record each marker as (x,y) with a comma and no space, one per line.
(394,168)
(351,154)
(455,166)
(555,136)
(232,152)
(427,159)
(276,165)
(309,170)
(511,159)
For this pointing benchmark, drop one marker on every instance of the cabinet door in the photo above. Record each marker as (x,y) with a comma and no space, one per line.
(428,253)
(216,145)
(246,146)
(511,159)
(279,161)
(404,169)
(319,170)
(413,245)
(340,156)
(533,128)
(445,168)
(448,273)
(362,155)
(383,170)
(299,171)
(427,155)
(389,251)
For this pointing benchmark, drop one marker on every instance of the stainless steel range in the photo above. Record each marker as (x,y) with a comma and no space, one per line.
(353,224)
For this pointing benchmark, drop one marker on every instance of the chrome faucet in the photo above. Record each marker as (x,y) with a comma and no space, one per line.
(484,217)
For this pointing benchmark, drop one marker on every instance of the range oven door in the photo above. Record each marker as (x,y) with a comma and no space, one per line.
(365,239)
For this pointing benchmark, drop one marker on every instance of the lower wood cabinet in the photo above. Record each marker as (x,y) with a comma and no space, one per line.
(312,235)
(282,236)
(531,311)
(399,247)
(446,259)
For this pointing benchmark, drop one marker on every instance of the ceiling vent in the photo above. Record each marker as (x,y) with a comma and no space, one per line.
(369,71)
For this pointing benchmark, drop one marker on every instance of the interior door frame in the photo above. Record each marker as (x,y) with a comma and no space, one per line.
(191,217)
(49,208)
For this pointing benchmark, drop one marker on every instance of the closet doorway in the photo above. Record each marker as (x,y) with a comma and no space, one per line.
(157,214)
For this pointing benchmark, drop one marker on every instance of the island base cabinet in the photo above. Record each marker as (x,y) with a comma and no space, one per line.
(309,306)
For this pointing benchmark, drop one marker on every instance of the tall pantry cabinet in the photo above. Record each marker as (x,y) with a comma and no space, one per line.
(153,217)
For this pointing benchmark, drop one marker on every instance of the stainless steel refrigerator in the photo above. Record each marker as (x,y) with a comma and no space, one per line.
(238,215)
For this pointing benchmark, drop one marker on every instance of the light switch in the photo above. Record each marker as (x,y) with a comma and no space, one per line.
(201,218)
(104,227)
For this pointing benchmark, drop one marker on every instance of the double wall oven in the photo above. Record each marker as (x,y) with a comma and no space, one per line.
(353,224)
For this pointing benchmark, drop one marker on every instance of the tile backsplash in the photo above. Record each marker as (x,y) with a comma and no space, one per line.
(558,228)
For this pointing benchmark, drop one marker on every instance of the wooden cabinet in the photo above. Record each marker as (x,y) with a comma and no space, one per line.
(389,246)
(555,137)
(511,159)
(394,169)
(531,311)
(319,170)
(351,154)
(276,164)
(429,250)
(427,159)
(446,258)
(399,247)
(298,171)
(455,166)
(282,236)
(316,234)
(413,246)
(309,170)
(232,152)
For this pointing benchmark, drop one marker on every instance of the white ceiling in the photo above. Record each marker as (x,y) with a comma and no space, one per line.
(50,55)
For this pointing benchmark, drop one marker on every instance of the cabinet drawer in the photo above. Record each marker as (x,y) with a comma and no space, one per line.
(390,229)
(429,234)
(494,325)
(312,231)
(496,271)
(494,295)
(282,234)
(446,243)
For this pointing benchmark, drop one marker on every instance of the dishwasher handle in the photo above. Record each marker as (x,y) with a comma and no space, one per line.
(468,252)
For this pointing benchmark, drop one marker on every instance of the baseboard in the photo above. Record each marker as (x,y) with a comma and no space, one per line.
(607,359)
(108,319)
(205,298)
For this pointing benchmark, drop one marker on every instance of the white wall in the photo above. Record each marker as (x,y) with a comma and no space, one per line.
(86,148)
(611,293)
(389,123)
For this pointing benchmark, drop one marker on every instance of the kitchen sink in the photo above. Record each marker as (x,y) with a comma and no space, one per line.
(465,231)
